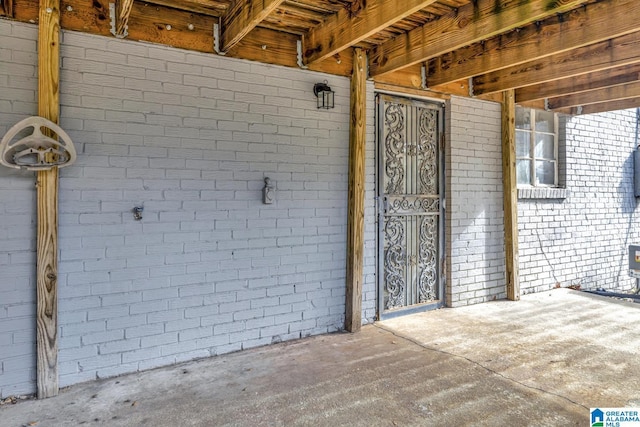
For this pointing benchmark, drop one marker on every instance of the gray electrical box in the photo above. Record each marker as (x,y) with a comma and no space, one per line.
(634,261)
(636,172)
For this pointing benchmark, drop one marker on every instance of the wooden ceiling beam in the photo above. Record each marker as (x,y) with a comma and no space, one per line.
(345,29)
(576,28)
(181,29)
(577,84)
(204,7)
(410,77)
(602,107)
(6,8)
(606,94)
(469,24)
(617,52)
(122,10)
(243,18)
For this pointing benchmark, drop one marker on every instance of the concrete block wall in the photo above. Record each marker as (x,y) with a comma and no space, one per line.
(583,239)
(209,269)
(474,207)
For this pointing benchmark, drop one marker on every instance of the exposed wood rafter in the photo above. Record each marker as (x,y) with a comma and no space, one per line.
(471,23)
(185,30)
(621,51)
(204,7)
(345,29)
(580,27)
(243,18)
(47,196)
(122,10)
(6,8)
(602,107)
(607,94)
(586,82)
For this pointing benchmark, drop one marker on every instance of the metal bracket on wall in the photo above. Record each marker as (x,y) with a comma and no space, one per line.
(268,192)
(216,40)
(299,49)
(112,16)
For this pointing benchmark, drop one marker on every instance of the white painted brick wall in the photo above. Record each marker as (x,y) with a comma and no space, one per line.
(209,269)
(18,88)
(583,240)
(474,212)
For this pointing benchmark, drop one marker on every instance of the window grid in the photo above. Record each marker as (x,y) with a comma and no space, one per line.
(532,158)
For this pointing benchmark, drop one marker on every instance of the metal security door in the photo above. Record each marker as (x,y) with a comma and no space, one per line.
(410,189)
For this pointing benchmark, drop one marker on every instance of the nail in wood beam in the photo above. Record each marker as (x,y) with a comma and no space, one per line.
(47,184)
(355,220)
(510,194)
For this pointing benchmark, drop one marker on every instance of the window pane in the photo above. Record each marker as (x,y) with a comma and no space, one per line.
(523,118)
(523,144)
(544,146)
(545,121)
(523,170)
(545,172)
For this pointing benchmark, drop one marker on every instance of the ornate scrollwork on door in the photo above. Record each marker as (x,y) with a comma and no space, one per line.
(410,214)
(394,148)
(428,151)
(411,205)
(428,259)
(395,258)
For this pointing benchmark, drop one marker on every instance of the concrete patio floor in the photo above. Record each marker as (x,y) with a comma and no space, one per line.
(542,361)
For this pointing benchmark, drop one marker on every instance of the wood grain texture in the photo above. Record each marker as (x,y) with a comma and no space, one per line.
(47,198)
(580,27)
(243,18)
(617,52)
(123,10)
(470,23)
(602,107)
(6,8)
(355,216)
(347,28)
(586,82)
(205,7)
(149,23)
(411,91)
(510,192)
(597,96)
(410,77)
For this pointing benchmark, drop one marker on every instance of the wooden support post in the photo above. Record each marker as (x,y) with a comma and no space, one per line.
(47,252)
(510,191)
(355,220)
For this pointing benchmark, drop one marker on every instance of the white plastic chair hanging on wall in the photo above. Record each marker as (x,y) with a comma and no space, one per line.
(36,151)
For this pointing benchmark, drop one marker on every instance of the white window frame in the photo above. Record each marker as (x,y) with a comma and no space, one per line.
(532,140)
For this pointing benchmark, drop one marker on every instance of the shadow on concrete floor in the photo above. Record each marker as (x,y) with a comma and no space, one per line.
(542,361)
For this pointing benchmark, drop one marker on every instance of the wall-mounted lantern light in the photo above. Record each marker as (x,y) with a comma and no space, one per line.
(324,95)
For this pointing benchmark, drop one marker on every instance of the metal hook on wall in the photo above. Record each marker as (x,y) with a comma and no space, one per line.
(137,212)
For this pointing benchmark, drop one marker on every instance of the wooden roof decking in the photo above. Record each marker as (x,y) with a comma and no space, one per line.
(563,55)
